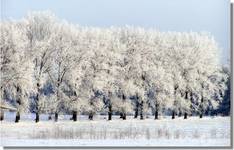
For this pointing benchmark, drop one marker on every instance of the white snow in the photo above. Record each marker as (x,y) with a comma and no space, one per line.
(131,132)
(119,143)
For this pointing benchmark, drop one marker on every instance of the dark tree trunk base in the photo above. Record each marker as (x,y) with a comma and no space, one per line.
(17,118)
(142,118)
(185,115)
(136,110)
(56,117)
(200,116)
(110,113)
(90,116)
(173,115)
(37,117)
(121,115)
(74,116)
(141,110)
(1,115)
(156,115)
(124,116)
(109,116)
(136,114)
(1,118)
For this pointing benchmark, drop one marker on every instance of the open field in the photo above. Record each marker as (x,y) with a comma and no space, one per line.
(131,132)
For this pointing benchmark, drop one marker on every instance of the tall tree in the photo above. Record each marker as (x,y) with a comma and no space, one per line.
(61,63)
(38,29)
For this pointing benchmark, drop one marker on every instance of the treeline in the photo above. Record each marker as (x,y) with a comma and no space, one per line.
(53,67)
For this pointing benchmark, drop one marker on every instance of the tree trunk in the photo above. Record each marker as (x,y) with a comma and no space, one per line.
(18,100)
(156,111)
(37,117)
(37,103)
(110,112)
(136,110)
(141,112)
(58,98)
(200,115)
(173,115)
(136,113)
(1,115)
(74,116)
(124,116)
(201,107)
(185,115)
(56,117)
(90,116)
(142,117)
(156,114)
(121,115)
(17,118)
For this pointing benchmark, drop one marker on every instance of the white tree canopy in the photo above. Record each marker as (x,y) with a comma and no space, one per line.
(177,71)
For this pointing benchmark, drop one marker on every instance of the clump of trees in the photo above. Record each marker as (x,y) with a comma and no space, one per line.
(125,70)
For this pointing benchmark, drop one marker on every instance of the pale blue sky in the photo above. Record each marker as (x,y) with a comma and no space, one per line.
(174,15)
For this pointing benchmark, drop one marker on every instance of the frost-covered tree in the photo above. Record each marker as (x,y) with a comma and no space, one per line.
(7,60)
(61,63)
(79,59)
(15,66)
(38,28)
(119,70)
(132,39)
(160,94)
(192,75)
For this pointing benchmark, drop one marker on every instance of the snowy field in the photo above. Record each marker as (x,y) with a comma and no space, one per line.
(131,132)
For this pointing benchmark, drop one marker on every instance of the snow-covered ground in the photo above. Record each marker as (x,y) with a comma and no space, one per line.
(131,132)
